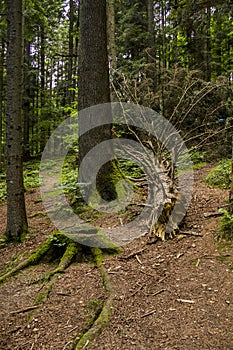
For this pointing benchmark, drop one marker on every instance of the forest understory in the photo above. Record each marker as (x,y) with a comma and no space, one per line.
(169,295)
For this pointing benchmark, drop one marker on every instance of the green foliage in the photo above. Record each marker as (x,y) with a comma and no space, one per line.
(226,225)
(31,175)
(2,188)
(70,179)
(220,176)
(130,169)
(31,179)
(198,157)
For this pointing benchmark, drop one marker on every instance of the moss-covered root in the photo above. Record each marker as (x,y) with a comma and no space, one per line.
(70,253)
(104,316)
(99,325)
(33,259)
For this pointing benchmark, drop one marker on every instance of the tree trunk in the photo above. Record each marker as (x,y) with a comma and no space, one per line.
(70,93)
(231,189)
(208,44)
(42,93)
(111,33)
(163,29)
(26,100)
(16,213)
(94,88)
(151,59)
(1,98)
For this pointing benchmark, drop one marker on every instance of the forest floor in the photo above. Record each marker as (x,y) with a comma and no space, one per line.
(168,295)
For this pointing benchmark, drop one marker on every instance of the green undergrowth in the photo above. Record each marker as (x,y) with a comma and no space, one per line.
(31,178)
(220,176)
(226,226)
(198,159)
(130,169)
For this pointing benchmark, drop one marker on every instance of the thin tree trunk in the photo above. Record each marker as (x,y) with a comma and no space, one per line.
(111,29)
(16,213)
(2,54)
(163,19)
(231,189)
(70,93)
(151,43)
(208,45)
(42,93)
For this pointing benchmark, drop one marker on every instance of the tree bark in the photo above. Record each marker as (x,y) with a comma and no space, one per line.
(26,101)
(94,89)
(16,213)
(231,189)
(70,93)
(208,44)
(1,99)
(111,29)
(42,87)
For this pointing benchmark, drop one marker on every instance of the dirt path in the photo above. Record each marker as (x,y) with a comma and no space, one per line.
(167,295)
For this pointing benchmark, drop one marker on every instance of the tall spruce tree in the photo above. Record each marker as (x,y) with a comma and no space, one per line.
(94,89)
(16,212)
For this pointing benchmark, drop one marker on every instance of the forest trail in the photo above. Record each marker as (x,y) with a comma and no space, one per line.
(168,295)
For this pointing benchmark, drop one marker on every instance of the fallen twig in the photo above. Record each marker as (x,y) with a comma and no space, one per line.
(138,260)
(132,255)
(191,233)
(29,308)
(162,279)
(69,342)
(137,290)
(158,292)
(212,215)
(186,301)
(148,313)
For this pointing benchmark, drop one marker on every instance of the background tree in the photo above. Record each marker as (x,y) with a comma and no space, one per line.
(16,212)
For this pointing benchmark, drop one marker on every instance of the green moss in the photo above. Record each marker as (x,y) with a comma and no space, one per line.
(3,241)
(57,239)
(99,325)
(38,254)
(98,256)
(71,251)
(38,213)
(94,308)
(44,295)
(223,258)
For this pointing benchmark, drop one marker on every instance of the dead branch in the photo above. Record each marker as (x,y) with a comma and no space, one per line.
(212,215)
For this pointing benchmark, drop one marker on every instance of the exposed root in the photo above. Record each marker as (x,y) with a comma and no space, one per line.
(71,251)
(59,245)
(33,259)
(103,317)
(50,248)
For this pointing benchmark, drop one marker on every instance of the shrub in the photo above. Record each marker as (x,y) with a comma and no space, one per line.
(220,176)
